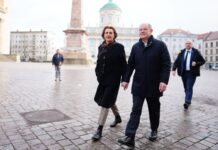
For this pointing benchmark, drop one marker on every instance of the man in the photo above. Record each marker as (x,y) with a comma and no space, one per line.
(188,63)
(151,61)
(57,61)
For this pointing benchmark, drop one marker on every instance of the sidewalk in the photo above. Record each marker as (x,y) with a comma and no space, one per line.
(27,87)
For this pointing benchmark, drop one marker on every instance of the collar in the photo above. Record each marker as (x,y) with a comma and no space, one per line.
(104,44)
(150,41)
(188,50)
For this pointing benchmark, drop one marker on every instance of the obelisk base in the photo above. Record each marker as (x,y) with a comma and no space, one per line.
(76,57)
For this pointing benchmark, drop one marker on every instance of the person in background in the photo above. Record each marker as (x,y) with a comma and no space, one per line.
(188,64)
(57,61)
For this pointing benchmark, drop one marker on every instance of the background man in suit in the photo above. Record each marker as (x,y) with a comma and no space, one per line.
(151,61)
(188,64)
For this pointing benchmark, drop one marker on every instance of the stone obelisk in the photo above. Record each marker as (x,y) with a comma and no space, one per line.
(75,51)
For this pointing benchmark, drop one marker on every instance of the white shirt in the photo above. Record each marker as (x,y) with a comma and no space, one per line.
(145,43)
(188,61)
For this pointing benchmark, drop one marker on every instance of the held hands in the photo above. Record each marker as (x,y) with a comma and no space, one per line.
(162,87)
(194,63)
(174,73)
(124,85)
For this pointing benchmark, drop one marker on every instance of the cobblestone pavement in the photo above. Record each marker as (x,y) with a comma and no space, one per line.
(26,87)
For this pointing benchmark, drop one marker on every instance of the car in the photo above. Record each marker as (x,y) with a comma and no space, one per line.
(215,68)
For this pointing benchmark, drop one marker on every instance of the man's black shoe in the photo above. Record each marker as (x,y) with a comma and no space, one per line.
(97,136)
(116,121)
(153,136)
(186,105)
(128,141)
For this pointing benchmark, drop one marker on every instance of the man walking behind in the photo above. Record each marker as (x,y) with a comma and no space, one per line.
(188,64)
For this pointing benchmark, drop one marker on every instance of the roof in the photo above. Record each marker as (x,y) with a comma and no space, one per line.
(212,36)
(175,31)
(203,36)
(30,31)
(110,5)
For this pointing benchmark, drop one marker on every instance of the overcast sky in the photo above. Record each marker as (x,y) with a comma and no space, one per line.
(196,16)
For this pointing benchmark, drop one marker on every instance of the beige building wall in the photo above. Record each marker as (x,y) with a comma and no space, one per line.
(4,32)
(211,52)
(32,45)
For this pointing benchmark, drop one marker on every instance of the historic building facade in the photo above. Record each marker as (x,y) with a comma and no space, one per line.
(110,14)
(32,45)
(175,40)
(211,49)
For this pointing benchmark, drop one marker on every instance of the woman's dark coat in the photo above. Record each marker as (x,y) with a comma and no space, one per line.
(110,68)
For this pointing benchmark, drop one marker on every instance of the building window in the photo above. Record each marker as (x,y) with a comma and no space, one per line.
(211,58)
(110,17)
(211,51)
(206,45)
(217,44)
(216,58)
(216,51)
(128,43)
(92,43)
(211,44)
(199,46)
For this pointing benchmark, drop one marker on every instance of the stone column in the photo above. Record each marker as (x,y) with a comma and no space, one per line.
(76,51)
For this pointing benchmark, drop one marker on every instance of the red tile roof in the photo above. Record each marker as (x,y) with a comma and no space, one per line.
(203,36)
(212,36)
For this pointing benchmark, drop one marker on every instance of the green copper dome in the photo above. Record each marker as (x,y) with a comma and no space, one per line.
(110,5)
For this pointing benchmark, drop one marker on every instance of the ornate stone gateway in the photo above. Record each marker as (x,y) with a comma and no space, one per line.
(76,51)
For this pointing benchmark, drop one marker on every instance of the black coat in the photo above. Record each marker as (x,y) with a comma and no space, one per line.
(195,56)
(152,66)
(56,60)
(110,68)
(111,64)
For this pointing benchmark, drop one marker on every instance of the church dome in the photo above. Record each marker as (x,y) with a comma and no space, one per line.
(110,6)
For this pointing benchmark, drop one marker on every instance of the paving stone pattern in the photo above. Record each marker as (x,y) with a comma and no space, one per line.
(26,87)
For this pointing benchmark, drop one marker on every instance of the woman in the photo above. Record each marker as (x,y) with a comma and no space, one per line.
(111,66)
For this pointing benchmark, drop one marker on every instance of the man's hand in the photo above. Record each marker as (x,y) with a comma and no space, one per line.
(194,63)
(174,73)
(124,85)
(162,87)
